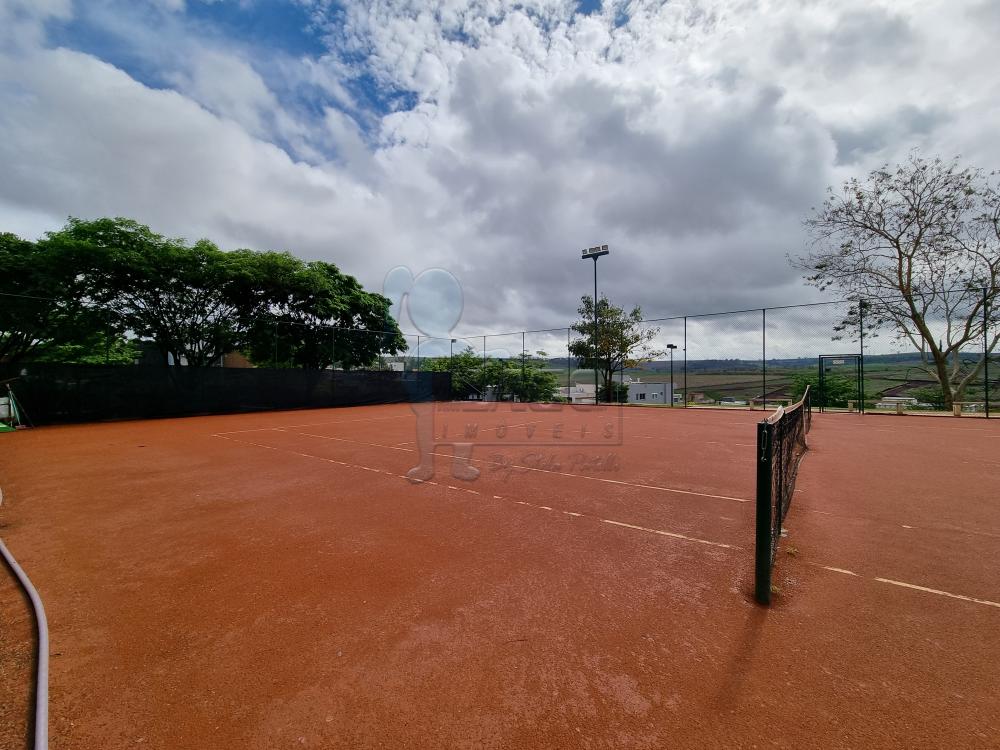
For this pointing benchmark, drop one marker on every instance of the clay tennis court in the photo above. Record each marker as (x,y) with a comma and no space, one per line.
(275,580)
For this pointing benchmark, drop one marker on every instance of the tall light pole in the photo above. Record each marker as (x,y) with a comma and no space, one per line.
(595,252)
(670,348)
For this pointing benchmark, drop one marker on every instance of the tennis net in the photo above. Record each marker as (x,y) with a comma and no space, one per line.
(781,443)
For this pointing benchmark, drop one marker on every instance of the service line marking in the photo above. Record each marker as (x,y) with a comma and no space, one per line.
(840,570)
(659,532)
(913,586)
(672,534)
(524,468)
(938,592)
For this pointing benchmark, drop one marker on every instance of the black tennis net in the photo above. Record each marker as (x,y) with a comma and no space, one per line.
(781,443)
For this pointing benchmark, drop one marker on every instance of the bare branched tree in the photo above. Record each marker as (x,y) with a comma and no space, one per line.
(918,248)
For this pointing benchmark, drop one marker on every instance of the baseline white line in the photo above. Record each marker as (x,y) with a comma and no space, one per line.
(939,592)
(531,468)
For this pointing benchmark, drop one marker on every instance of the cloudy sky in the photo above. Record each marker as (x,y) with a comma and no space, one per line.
(490,138)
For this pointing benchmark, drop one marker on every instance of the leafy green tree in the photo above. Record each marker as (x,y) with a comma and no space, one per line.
(320,317)
(466,368)
(622,342)
(929,395)
(917,247)
(526,378)
(197,302)
(102,348)
(186,298)
(41,306)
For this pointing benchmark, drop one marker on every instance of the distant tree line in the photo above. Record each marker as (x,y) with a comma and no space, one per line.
(522,375)
(90,291)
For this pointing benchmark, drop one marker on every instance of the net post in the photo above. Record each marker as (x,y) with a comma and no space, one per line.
(763,544)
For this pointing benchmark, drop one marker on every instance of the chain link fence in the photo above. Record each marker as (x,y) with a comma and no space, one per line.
(858,356)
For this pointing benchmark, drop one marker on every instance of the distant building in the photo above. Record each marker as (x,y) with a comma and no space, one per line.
(578,393)
(650,393)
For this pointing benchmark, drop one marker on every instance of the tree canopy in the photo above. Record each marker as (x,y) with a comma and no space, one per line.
(621,340)
(917,246)
(41,307)
(525,376)
(106,278)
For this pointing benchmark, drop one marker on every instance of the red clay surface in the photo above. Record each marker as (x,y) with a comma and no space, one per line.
(273,580)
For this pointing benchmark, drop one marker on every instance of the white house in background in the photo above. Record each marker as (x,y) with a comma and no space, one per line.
(650,393)
(578,393)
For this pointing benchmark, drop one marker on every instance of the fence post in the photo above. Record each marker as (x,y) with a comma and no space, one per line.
(569,370)
(685,361)
(861,358)
(523,386)
(333,348)
(418,352)
(274,359)
(107,338)
(763,355)
(986,352)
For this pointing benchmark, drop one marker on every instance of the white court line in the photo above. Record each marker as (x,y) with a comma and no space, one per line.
(913,586)
(529,468)
(946,528)
(671,534)
(838,570)
(939,592)
(622,524)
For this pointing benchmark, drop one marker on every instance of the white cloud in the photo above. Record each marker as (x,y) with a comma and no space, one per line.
(229,86)
(693,136)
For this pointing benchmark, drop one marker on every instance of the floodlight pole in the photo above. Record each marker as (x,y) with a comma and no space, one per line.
(670,348)
(597,387)
(595,252)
